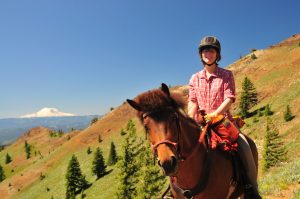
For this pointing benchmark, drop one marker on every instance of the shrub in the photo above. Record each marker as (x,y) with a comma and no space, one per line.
(288,114)
(253,56)
(93,121)
(268,111)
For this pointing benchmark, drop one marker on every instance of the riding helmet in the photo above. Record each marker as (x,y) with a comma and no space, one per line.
(210,41)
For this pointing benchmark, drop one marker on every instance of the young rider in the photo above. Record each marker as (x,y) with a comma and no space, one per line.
(213,90)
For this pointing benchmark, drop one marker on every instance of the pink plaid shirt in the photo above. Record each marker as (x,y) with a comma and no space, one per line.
(210,93)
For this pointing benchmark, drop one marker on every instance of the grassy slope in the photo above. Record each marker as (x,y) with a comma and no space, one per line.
(54,164)
(275,73)
(276,76)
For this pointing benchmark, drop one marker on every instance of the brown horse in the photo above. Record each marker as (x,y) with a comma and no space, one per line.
(181,149)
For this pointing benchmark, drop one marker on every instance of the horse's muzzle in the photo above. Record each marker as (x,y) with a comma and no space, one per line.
(169,167)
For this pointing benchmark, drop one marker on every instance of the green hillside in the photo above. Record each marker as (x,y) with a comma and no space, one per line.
(276,75)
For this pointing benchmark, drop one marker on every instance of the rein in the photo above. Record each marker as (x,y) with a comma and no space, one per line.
(190,193)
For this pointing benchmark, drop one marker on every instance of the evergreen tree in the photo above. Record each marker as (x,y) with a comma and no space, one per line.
(100,139)
(7,158)
(268,111)
(89,151)
(112,158)
(76,182)
(274,150)
(27,150)
(93,121)
(131,127)
(151,181)
(2,175)
(99,167)
(60,133)
(288,114)
(128,165)
(123,132)
(248,97)
(42,176)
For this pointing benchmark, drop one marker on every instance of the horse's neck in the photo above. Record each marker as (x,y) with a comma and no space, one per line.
(190,134)
(190,170)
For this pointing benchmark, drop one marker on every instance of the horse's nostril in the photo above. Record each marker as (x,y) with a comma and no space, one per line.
(174,160)
(168,166)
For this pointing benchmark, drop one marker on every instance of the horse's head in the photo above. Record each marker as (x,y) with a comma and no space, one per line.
(158,112)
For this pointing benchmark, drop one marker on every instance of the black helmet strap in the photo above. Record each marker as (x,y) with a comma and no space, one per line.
(215,62)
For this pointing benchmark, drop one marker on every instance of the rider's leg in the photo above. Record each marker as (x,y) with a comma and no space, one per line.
(246,156)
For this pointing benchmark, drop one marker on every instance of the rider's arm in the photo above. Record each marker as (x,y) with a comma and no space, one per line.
(192,109)
(223,108)
(192,99)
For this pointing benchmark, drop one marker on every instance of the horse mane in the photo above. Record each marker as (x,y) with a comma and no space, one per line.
(156,99)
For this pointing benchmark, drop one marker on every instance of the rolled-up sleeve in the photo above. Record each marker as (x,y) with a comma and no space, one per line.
(192,91)
(229,87)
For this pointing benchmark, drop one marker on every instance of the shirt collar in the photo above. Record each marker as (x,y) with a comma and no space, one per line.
(216,73)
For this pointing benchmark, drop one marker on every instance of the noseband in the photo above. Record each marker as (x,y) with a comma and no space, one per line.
(177,146)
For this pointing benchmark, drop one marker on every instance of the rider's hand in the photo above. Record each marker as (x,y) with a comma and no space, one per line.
(208,118)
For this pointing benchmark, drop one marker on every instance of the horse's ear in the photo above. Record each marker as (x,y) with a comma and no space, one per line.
(165,89)
(134,105)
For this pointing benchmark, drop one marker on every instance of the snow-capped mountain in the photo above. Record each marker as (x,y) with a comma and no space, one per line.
(12,128)
(47,112)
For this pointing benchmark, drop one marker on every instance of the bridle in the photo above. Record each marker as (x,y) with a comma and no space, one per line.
(177,145)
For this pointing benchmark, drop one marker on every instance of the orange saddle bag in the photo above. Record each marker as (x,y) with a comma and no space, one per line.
(224,134)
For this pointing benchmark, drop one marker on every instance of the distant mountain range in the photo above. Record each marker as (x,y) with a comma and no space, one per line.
(12,128)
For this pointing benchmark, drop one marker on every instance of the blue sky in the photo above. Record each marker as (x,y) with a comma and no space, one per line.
(84,57)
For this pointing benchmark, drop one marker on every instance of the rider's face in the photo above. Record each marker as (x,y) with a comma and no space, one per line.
(209,55)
